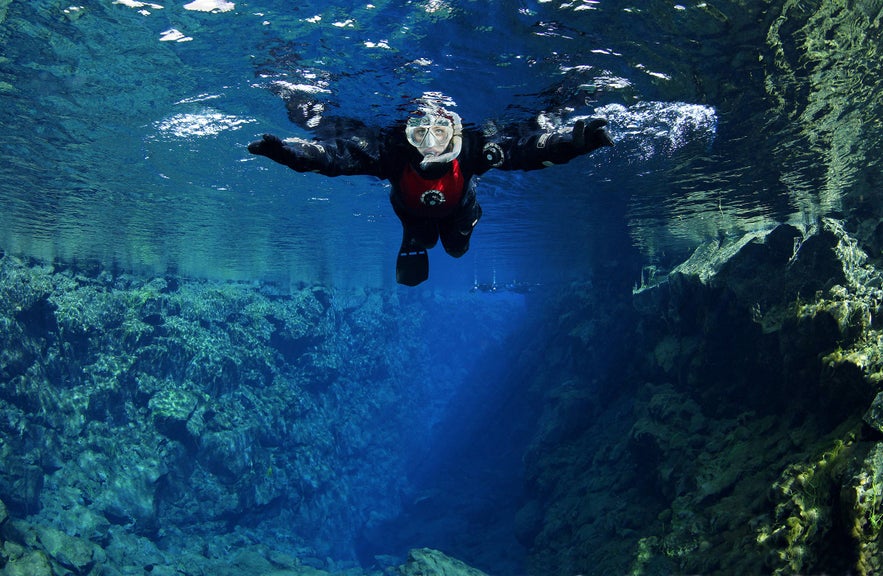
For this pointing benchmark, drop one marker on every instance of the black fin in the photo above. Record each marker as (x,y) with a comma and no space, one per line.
(412,266)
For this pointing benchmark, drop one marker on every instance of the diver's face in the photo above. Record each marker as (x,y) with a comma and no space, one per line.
(430,135)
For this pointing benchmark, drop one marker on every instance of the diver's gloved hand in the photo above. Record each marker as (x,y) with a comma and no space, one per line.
(591,136)
(270,146)
(295,153)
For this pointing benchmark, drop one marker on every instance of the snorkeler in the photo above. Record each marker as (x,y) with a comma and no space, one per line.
(430,163)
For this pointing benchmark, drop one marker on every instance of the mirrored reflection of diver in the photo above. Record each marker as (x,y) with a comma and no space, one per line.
(430,162)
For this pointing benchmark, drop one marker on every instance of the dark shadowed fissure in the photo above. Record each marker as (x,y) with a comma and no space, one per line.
(468,480)
(538,378)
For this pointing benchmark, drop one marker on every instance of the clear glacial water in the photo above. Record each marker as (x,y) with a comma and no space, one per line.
(125,126)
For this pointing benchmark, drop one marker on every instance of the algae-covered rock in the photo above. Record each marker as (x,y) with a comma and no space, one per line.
(874,415)
(862,500)
(172,408)
(3,513)
(34,563)
(4,7)
(128,498)
(181,410)
(71,552)
(760,356)
(770,268)
(805,521)
(428,562)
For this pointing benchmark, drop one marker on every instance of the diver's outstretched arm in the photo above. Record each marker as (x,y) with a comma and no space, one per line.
(541,149)
(353,155)
(302,157)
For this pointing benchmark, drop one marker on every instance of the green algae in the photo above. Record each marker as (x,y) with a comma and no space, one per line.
(863,501)
(721,524)
(750,437)
(806,507)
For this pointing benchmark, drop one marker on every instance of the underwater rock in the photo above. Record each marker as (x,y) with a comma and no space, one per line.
(529,522)
(21,485)
(805,531)
(750,368)
(428,562)
(3,514)
(229,454)
(71,552)
(774,267)
(569,407)
(130,553)
(134,409)
(861,498)
(874,416)
(83,521)
(35,549)
(34,563)
(172,408)
(129,497)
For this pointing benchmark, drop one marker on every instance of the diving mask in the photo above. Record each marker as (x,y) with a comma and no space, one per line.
(430,131)
(437,137)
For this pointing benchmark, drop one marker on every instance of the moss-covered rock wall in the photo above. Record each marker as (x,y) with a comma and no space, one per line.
(146,414)
(741,435)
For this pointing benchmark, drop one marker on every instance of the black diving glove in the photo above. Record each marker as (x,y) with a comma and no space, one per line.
(591,136)
(298,155)
(270,146)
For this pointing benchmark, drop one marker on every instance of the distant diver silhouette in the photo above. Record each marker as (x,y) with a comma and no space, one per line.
(430,161)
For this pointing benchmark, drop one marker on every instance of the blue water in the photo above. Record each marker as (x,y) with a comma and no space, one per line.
(129,147)
(124,134)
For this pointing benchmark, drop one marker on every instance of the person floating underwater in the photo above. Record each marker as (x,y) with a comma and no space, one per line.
(431,163)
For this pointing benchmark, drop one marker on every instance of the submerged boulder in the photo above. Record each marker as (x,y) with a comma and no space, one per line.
(429,562)
(21,484)
(34,563)
(35,549)
(71,552)
(172,408)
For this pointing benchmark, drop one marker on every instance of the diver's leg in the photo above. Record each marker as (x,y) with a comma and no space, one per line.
(456,231)
(417,232)
(418,235)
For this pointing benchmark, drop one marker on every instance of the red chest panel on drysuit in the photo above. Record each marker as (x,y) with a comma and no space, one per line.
(432,198)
